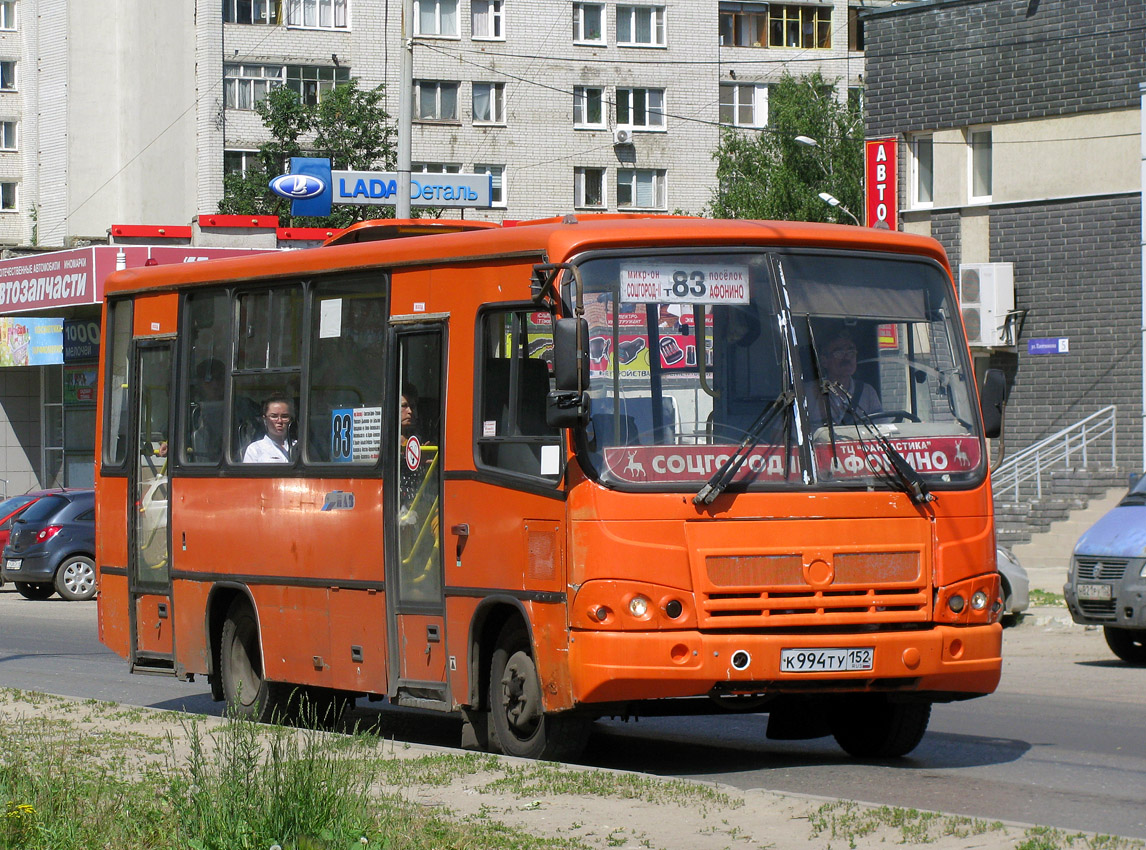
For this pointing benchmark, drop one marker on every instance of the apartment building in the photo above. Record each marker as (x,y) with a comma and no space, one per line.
(129,112)
(1020,133)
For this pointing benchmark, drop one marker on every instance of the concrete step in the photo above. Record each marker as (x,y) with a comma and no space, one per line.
(1050,550)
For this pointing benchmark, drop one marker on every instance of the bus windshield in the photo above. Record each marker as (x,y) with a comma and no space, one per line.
(806,368)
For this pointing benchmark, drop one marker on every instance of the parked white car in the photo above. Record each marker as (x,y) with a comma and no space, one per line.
(1016,585)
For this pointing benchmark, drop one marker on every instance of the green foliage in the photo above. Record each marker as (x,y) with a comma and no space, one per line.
(350,126)
(767,174)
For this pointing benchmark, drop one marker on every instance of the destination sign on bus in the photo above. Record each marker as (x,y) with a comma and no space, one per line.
(692,285)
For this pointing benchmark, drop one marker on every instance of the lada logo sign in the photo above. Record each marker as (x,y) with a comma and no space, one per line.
(296,186)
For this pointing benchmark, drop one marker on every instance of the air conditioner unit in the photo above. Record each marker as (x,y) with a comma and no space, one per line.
(622,136)
(986,296)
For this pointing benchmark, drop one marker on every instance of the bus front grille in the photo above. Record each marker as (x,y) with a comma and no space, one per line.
(791,590)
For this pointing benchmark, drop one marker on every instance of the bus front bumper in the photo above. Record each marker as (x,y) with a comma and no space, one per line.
(948,661)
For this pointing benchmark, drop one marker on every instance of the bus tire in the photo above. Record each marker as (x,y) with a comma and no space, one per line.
(872,726)
(1127,644)
(247,693)
(518,722)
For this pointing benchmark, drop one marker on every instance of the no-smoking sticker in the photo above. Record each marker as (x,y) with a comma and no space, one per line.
(413,454)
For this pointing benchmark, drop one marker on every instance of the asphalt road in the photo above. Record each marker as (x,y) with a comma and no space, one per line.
(1060,743)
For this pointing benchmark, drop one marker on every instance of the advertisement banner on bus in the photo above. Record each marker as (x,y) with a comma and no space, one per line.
(848,459)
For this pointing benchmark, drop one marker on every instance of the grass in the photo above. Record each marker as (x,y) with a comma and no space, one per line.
(1047,599)
(96,782)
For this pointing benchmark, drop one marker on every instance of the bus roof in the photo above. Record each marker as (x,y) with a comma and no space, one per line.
(550,240)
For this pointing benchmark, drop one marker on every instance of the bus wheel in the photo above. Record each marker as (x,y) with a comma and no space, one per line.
(1127,644)
(247,693)
(872,726)
(518,720)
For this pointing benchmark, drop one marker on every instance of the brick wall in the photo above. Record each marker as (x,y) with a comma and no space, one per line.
(1018,58)
(1078,273)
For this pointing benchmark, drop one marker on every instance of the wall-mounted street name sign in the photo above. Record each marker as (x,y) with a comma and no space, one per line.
(313,188)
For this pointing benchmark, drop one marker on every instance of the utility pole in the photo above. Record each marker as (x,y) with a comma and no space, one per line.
(405,110)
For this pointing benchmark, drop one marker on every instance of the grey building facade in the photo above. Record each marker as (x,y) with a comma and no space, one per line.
(1020,130)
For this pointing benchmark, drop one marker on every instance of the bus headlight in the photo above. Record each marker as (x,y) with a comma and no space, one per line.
(979,600)
(955,603)
(638,606)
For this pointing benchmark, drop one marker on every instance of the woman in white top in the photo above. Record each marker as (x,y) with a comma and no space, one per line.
(276,446)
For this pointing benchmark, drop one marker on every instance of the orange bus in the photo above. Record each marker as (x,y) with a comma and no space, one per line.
(582,467)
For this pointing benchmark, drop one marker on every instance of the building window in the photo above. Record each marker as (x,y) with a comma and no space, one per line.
(312,82)
(641,108)
(588,23)
(641,26)
(922,171)
(497,180)
(8,197)
(489,103)
(317,14)
(979,142)
(589,188)
(246,85)
(436,17)
(743,105)
(855,30)
(486,19)
(435,100)
(7,14)
(800,26)
(744,24)
(252,12)
(435,168)
(641,188)
(7,76)
(8,135)
(239,162)
(588,111)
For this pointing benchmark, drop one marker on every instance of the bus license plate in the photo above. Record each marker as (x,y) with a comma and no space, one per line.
(826,660)
(13,564)
(1094,591)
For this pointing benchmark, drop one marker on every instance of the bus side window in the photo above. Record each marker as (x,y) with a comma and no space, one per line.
(515,384)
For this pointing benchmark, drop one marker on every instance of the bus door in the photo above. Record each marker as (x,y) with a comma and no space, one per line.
(149,545)
(413,518)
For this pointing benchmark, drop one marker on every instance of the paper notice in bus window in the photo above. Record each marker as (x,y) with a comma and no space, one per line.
(489,428)
(330,318)
(550,460)
(684,284)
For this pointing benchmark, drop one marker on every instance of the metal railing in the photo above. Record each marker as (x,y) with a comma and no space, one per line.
(1078,445)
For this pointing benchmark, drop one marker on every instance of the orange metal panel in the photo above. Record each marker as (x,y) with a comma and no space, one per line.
(358,656)
(155,315)
(423,660)
(153,633)
(113,622)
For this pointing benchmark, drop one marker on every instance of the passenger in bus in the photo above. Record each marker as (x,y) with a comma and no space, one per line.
(840,368)
(276,445)
(409,480)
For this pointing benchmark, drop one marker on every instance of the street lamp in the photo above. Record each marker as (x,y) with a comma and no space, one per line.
(826,197)
(832,200)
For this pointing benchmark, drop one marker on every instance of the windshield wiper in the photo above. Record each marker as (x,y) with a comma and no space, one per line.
(727,471)
(910,481)
(825,388)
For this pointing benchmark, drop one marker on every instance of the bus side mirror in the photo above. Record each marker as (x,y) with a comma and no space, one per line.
(568,403)
(992,400)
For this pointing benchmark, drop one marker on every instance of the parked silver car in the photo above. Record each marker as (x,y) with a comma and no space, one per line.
(1016,585)
(1106,583)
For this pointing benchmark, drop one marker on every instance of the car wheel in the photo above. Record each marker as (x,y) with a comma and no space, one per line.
(35,591)
(1127,644)
(76,578)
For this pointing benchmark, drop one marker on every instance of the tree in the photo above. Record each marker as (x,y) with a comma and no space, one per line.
(767,174)
(349,125)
